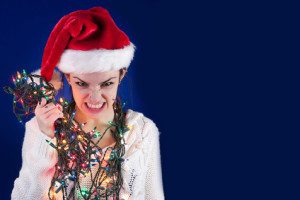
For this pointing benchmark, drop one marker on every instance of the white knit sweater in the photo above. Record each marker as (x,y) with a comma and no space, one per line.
(141,169)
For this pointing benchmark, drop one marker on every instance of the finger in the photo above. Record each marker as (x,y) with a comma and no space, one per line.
(59,107)
(39,106)
(54,111)
(54,117)
(48,107)
(48,92)
(42,103)
(51,106)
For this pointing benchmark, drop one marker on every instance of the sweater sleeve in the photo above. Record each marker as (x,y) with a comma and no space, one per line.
(154,184)
(38,161)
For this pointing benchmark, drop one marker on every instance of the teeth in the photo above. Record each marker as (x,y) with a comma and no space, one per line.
(94,106)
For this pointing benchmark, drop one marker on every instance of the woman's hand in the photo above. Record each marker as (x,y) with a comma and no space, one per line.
(46,115)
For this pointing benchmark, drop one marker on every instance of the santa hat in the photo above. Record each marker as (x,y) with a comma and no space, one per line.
(86,41)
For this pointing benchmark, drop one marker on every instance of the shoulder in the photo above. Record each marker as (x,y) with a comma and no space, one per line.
(144,124)
(143,133)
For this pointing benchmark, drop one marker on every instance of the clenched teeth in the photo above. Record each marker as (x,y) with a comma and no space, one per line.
(94,106)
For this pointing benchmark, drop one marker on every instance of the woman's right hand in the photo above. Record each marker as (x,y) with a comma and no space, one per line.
(46,115)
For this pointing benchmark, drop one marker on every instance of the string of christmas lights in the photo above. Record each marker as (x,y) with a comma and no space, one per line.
(77,150)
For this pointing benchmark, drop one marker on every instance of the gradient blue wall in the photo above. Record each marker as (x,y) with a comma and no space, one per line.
(211,75)
(25,27)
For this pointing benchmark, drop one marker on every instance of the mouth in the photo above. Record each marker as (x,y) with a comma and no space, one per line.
(95,108)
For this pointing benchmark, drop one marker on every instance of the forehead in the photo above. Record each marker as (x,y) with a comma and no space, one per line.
(97,76)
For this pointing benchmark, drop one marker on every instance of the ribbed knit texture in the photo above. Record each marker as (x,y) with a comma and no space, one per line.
(141,169)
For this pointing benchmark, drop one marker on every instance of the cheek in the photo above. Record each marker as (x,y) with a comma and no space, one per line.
(108,95)
(79,94)
(112,93)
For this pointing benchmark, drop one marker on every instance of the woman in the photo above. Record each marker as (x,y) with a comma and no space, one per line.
(94,54)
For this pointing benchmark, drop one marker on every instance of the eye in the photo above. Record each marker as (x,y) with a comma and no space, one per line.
(81,84)
(107,84)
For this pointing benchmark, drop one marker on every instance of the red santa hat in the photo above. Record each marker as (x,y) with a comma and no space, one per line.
(86,41)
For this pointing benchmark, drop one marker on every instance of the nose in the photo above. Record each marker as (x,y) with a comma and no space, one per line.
(95,95)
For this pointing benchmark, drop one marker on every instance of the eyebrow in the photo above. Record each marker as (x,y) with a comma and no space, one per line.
(100,83)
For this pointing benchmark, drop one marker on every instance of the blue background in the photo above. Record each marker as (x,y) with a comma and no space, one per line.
(210,75)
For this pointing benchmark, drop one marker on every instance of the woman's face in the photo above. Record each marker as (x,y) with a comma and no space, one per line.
(94,93)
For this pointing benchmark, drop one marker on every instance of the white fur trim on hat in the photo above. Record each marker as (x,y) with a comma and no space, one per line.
(98,60)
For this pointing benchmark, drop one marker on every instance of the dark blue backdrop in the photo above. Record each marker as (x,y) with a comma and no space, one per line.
(25,27)
(209,75)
